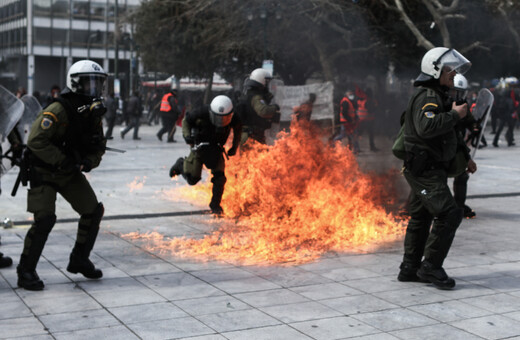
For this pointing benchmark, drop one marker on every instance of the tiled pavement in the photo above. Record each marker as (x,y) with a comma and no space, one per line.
(341,296)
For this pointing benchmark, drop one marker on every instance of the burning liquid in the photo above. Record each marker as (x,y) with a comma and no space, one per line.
(290,203)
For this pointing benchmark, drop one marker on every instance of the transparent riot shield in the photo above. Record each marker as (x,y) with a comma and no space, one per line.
(11,110)
(31,109)
(481,112)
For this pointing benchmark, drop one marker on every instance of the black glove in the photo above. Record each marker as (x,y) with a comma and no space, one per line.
(68,164)
(232,151)
(87,165)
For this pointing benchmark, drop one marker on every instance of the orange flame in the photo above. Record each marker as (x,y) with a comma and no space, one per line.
(291,203)
(136,184)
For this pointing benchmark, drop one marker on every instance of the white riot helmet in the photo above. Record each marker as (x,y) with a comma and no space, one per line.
(221,111)
(261,76)
(461,87)
(437,58)
(87,78)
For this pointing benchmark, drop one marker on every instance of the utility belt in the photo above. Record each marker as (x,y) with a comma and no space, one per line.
(418,161)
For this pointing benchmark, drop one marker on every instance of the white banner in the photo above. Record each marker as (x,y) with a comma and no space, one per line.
(288,97)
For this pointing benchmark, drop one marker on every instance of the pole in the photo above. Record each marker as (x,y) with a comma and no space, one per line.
(116,36)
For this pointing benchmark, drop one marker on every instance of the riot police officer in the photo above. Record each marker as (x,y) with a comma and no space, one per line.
(65,140)
(434,150)
(258,114)
(206,130)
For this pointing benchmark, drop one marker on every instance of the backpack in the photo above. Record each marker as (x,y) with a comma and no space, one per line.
(398,147)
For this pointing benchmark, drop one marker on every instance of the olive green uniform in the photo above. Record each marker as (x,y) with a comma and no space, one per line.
(434,150)
(258,114)
(61,142)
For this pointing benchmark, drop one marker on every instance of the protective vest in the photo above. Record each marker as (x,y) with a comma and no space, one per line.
(250,118)
(472,107)
(165,103)
(350,113)
(362,111)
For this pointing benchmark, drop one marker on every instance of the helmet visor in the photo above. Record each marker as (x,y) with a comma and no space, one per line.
(455,61)
(91,85)
(220,120)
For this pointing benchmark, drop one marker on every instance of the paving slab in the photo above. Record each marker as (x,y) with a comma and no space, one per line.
(149,293)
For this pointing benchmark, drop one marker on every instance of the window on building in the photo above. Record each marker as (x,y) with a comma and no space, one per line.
(80,9)
(60,8)
(80,38)
(97,10)
(42,8)
(42,35)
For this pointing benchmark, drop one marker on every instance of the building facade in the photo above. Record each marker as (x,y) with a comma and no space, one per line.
(41,39)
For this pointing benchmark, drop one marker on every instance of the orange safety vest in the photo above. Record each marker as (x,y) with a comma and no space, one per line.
(362,111)
(165,104)
(472,107)
(351,111)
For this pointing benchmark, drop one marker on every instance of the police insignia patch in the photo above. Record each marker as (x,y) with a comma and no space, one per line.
(429,114)
(46,123)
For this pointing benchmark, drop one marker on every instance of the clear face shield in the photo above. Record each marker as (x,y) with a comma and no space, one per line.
(454,61)
(92,85)
(220,120)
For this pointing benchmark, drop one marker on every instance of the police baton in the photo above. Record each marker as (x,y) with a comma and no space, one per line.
(114,149)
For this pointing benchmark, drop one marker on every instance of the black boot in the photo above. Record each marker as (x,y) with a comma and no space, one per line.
(5,261)
(177,168)
(78,264)
(219,180)
(28,279)
(88,228)
(408,273)
(437,276)
(33,247)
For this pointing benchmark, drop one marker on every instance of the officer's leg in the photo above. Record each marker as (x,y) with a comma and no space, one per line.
(501,124)
(448,216)
(417,233)
(460,188)
(192,168)
(82,198)
(219,181)
(41,202)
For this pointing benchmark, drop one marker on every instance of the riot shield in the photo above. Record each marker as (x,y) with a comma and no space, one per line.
(31,109)
(11,110)
(481,112)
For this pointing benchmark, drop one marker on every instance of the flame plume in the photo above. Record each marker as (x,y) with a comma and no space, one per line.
(291,203)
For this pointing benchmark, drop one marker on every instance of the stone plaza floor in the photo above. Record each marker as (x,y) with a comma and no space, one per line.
(150,295)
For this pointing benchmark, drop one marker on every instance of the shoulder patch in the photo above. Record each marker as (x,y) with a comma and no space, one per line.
(429,114)
(429,104)
(46,123)
(48,113)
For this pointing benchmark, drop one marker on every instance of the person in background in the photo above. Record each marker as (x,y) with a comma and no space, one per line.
(304,111)
(169,113)
(135,111)
(111,104)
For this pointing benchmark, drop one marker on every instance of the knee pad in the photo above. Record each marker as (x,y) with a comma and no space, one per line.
(45,224)
(219,178)
(94,218)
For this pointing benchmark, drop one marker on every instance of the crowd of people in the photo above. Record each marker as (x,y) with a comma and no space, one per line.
(67,139)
